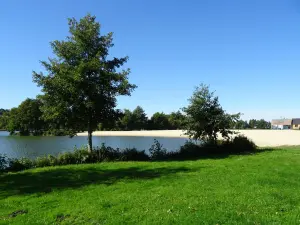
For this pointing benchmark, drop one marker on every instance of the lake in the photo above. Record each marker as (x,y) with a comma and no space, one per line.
(31,147)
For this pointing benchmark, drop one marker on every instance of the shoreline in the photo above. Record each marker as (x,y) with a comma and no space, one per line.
(143,133)
(262,138)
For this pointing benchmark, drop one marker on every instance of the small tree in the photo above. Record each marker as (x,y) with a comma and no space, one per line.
(82,84)
(205,117)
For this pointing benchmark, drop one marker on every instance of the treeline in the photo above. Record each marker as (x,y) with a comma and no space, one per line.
(138,120)
(27,119)
(252,124)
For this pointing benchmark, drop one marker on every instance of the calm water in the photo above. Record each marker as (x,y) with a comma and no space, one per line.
(16,147)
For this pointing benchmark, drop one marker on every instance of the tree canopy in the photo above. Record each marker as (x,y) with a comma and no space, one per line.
(26,118)
(159,121)
(82,82)
(205,116)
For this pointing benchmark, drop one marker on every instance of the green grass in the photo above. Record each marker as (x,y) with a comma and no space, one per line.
(250,189)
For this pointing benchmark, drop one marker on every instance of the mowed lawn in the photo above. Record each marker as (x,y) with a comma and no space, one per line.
(250,189)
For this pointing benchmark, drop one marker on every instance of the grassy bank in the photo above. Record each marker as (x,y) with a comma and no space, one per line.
(250,189)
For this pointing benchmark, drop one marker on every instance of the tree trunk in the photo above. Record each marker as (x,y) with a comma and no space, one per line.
(90,142)
(215,138)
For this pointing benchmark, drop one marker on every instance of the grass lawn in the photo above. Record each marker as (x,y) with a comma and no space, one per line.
(253,189)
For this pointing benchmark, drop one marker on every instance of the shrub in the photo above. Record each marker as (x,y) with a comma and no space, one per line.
(3,162)
(157,152)
(106,153)
(134,155)
(240,144)
(82,156)
(190,150)
(53,160)
(20,164)
(42,161)
(66,158)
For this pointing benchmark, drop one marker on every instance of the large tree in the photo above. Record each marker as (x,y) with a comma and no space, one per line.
(82,82)
(205,116)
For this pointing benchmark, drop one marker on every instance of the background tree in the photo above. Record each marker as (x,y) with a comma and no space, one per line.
(176,120)
(26,118)
(205,116)
(139,118)
(126,121)
(81,84)
(135,120)
(240,124)
(259,124)
(2,111)
(159,121)
(3,118)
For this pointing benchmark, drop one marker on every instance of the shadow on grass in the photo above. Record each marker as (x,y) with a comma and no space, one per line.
(42,182)
(212,154)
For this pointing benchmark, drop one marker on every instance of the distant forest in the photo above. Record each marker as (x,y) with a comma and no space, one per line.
(27,119)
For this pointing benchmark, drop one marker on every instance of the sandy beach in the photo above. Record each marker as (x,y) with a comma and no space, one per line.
(262,138)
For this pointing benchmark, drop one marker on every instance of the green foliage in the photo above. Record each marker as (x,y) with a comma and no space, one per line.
(26,118)
(240,144)
(127,122)
(81,84)
(190,150)
(159,121)
(205,116)
(157,152)
(135,120)
(240,124)
(132,154)
(2,111)
(106,153)
(20,164)
(3,118)
(177,120)
(140,119)
(252,124)
(259,124)
(3,162)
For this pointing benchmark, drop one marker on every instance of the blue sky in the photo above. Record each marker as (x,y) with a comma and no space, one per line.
(248,51)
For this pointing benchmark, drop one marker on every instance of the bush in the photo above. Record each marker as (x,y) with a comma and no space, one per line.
(240,144)
(157,152)
(42,161)
(82,156)
(53,160)
(66,158)
(3,162)
(20,164)
(190,150)
(106,154)
(134,155)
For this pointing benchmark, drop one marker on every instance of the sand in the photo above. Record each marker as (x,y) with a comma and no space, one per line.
(262,138)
